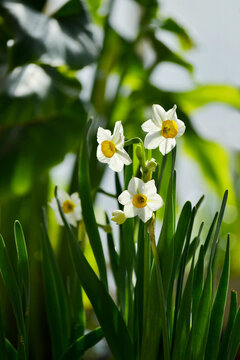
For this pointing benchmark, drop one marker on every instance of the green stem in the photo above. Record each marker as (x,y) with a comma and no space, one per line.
(107,193)
(162,301)
(132,141)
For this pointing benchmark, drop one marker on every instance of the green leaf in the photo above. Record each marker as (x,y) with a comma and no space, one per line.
(113,255)
(210,232)
(223,350)
(112,325)
(183,320)
(85,342)
(165,54)
(55,297)
(23,266)
(219,221)
(165,242)
(11,284)
(59,40)
(33,115)
(197,283)
(234,338)
(197,340)
(2,338)
(88,211)
(172,26)
(182,270)
(217,314)
(202,95)
(11,351)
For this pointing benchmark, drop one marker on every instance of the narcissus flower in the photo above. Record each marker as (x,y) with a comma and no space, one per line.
(111,148)
(162,129)
(119,217)
(140,199)
(71,207)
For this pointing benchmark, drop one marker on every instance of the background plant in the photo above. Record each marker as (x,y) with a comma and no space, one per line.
(42,116)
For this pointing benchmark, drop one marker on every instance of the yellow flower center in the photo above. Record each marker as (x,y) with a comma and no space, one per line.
(139,200)
(169,129)
(68,206)
(108,148)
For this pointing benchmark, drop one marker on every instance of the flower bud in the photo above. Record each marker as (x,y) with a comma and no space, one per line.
(151,165)
(119,217)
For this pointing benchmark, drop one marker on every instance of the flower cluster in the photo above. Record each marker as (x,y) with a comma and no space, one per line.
(141,198)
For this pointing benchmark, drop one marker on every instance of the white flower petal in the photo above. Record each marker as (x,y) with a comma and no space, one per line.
(149,188)
(158,115)
(123,156)
(171,114)
(152,140)
(124,197)
(101,157)
(58,218)
(103,134)
(135,186)
(75,198)
(53,204)
(118,137)
(145,214)
(154,202)
(78,213)
(62,195)
(130,210)
(149,126)
(71,219)
(115,163)
(181,127)
(167,145)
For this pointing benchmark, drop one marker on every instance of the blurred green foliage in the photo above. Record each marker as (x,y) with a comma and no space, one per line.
(43,110)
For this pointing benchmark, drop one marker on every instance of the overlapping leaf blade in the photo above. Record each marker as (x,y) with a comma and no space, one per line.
(56,301)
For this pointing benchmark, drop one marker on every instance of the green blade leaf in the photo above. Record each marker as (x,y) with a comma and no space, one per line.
(220,218)
(113,255)
(113,325)
(2,339)
(11,351)
(88,211)
(13,290)
(55,295)
(222,354)
(218,311)
(183,321)
(197,340)
(234,339)
(85,342)
(23,266)
(197,283)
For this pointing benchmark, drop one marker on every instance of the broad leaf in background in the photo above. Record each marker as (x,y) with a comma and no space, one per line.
(59,40)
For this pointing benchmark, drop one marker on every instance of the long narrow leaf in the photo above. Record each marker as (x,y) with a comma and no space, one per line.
(218,311)
(55,295)
(22,256)
(85,342)
(88,211)
(106,311)
(196,345)
(12,289)
(222,354)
